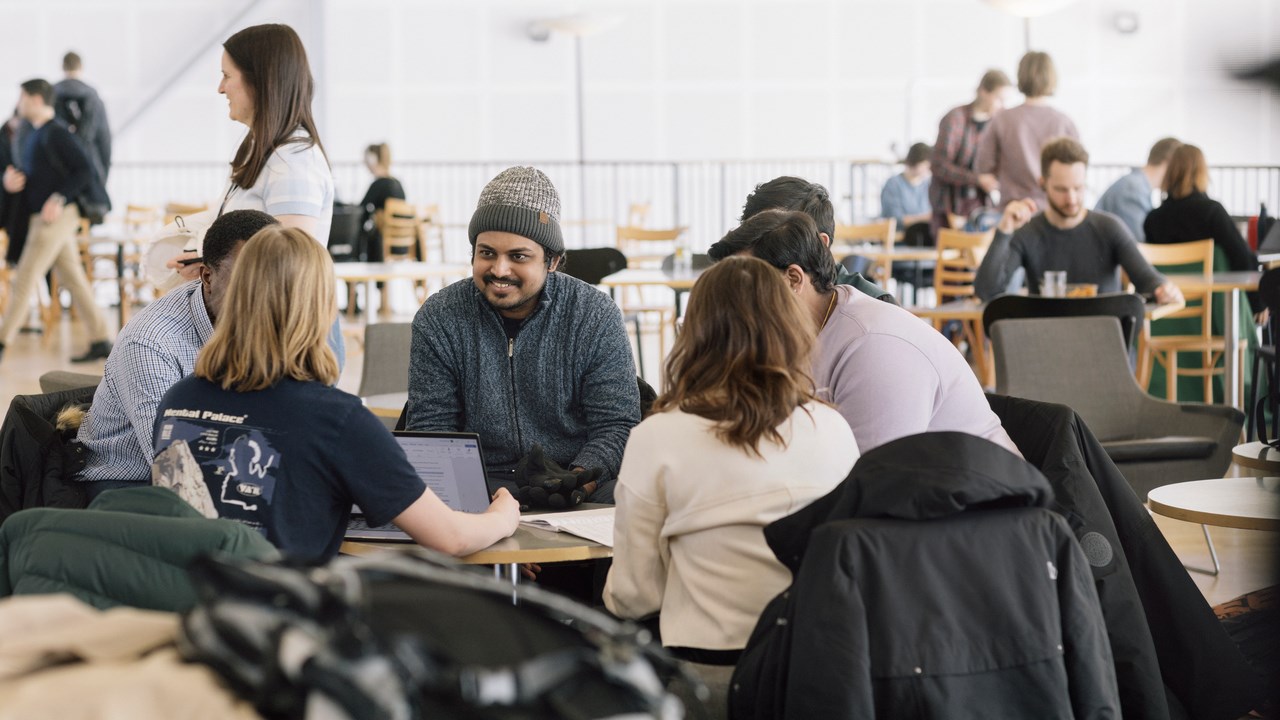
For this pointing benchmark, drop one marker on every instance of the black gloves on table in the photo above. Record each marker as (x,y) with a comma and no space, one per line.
(541,483)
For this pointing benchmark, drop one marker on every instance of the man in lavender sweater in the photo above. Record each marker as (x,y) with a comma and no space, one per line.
(889,373)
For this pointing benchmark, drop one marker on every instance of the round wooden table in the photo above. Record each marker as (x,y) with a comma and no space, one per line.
(527,545)
(1246,502)
(1257,456)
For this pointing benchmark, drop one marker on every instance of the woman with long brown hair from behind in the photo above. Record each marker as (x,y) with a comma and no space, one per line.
(273,444)
(737,441)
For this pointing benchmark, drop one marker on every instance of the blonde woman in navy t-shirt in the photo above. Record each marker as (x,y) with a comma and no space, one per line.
(260,435)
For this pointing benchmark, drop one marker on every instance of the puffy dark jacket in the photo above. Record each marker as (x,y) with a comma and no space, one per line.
(934,582)
(35,462)
(1150,602)
(130,547)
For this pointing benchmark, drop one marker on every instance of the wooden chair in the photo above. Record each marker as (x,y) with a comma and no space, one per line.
(882,232)
(1164,349)
(398,222)
(174,209)
(430,231)
(646,247)
(638,214)
(959,255)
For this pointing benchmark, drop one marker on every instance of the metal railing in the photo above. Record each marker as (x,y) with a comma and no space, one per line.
(706,196)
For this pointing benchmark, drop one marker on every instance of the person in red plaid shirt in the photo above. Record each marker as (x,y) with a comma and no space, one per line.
(955,190)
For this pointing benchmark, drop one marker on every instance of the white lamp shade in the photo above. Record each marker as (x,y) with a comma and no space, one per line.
(1028,8)
(583,24)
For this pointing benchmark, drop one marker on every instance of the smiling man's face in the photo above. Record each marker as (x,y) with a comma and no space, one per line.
(510,270)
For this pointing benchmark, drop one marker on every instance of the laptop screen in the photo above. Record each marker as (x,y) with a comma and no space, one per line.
(451,465)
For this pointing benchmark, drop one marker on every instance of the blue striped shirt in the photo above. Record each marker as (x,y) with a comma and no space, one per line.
(156,349)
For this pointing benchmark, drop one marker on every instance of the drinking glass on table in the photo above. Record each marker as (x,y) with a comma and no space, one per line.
(1054,284)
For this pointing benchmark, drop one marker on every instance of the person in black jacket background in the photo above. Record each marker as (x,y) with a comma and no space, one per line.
(1188,214)
(51,173)
(378,159)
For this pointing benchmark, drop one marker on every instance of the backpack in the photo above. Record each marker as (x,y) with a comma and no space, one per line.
(414,634)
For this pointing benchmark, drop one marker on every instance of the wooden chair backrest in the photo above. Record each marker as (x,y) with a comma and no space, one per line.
(881,231)
(638,243)
(173,209)
(959,255)
(638,214)
(1197,253)
(398,223)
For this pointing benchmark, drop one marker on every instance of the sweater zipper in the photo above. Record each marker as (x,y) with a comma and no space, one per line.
(515,408)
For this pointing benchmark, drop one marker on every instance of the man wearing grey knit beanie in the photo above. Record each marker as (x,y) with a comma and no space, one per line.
(536,362)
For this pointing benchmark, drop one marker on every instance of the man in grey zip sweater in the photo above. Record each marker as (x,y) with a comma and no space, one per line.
(520,353)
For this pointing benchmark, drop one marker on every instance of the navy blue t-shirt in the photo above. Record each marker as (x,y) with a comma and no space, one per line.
(289,460)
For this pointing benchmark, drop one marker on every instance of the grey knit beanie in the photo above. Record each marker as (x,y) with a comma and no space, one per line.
(520,200)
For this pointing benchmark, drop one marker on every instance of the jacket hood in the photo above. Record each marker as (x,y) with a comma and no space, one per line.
(918,477)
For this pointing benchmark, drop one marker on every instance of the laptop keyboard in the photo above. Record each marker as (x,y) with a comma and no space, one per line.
(357,522)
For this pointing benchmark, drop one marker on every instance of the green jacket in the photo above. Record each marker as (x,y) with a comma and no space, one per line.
(863,285)
(130,547)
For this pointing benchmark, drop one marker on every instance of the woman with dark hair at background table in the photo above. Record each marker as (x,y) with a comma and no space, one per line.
(378,159)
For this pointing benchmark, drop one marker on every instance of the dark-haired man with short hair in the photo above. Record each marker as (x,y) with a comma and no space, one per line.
(79,106)
(51,172)
(793,193)
(157,348)
(954,188)
(1090,247)
(888,372)
(905,196)
(1129,198)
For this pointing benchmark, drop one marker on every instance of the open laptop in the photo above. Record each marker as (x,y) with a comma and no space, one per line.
(451,464)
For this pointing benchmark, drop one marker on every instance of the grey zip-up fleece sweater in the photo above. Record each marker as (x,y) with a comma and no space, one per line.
(567,382)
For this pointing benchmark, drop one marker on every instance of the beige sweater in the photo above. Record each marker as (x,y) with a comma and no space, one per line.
(688,534)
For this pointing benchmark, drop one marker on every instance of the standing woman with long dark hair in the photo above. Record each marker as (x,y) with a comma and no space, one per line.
(280,167)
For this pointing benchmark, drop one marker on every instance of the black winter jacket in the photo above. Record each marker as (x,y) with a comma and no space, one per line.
(34,460)
(932,583)
(1150,602)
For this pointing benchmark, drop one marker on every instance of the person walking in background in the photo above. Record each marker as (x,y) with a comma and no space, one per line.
(54,171)
(78,105)
(1129,198)
(905,196)
(954,189)
(1009,149)
(378,159)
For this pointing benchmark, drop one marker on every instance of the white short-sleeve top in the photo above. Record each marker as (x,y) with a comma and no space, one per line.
(295,181)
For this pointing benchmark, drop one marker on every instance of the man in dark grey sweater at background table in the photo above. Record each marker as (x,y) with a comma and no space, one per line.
(1090,247)
(522,354)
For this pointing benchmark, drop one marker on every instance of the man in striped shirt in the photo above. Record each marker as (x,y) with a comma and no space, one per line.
(157,348)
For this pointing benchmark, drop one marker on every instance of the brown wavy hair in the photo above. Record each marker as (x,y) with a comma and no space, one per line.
(742,359)
(276,316)
(274,64)
(1188,172)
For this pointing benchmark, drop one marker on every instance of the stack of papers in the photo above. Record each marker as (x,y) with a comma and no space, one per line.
(595,525)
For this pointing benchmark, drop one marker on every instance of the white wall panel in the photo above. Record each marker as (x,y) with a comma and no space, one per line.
(677,79)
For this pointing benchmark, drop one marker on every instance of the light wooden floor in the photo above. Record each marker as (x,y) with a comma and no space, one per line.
(1250,558)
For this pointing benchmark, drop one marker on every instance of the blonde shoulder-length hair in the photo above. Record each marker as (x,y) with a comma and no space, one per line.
(275,319)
